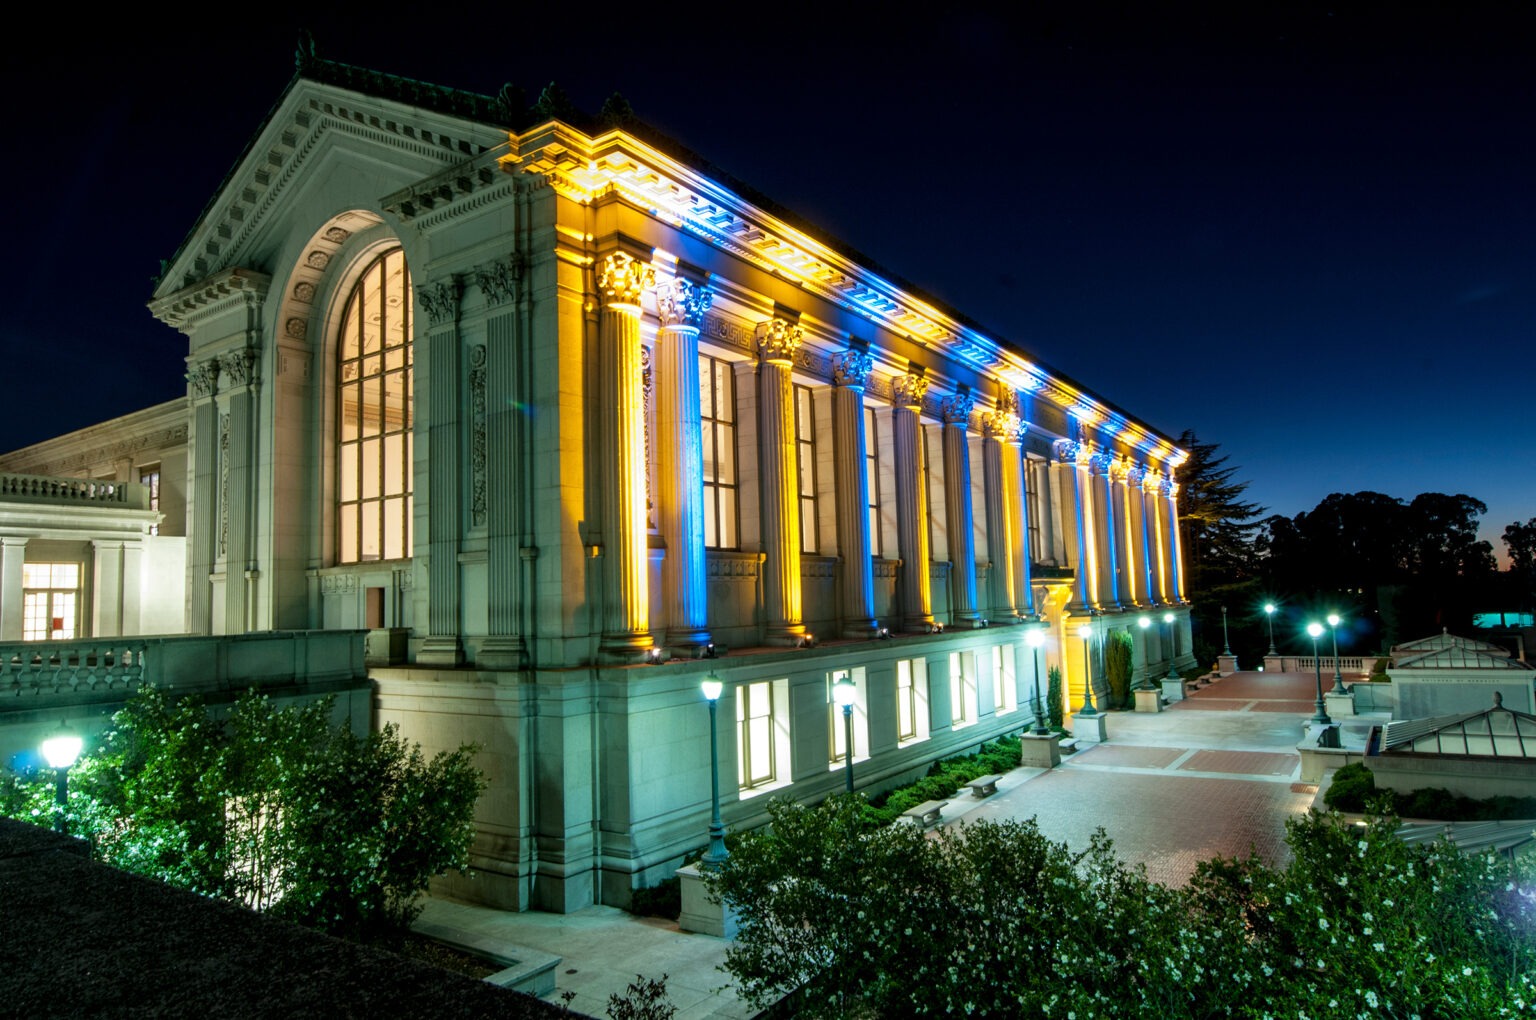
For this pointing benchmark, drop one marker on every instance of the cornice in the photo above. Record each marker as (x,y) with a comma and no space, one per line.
(190,307)
(164,425)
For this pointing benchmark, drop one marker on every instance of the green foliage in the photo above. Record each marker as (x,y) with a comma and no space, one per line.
(1379,668)
(994,919)
(943,780)
(1117,668)
(664,899)
(275,808)
(1352,786)
(1053,696)
(644,999)
(1354,789)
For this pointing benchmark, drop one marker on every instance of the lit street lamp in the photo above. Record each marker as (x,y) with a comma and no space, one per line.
(1145,683)
(717,853)
(1226,646)
(1315,631)
(61,751)
(843,693)
(1086,633)
(1172,648)
(1269,615)
(1338,678)
(1035,639)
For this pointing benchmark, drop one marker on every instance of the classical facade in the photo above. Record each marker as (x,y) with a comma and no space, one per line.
(567,424)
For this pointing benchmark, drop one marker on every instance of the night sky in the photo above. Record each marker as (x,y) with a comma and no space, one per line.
(1309,235)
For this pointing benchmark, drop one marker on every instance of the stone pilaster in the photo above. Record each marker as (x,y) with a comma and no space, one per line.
(680,306)
(1002,518)
(777,341)
(621,280)
(13,553)
(956,412)
(239,384)
(497,449)
(850,373)
(440,300)
(913,591)
(203,462)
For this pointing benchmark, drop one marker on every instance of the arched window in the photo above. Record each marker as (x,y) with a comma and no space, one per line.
(373,402)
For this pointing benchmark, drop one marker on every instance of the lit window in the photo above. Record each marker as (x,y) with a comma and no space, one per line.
(805,458)
(149,477)
(872,475)
(911,701)
(1036,507)
(962,689)
(50,597)
(756,760)
(717,412)
(373,476)
(837,726)
(1005,696)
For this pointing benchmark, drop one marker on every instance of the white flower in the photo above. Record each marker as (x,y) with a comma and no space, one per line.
(1466,972)
(1322,923)
(1370,998)
(1379,947)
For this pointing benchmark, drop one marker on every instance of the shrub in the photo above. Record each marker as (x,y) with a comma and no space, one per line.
(1053,695)
(1352,786)
(664,899)
(1117,668)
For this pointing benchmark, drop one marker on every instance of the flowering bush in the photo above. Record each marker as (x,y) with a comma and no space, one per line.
(995,919)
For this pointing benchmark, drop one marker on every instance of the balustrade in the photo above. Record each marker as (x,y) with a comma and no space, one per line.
(45,489)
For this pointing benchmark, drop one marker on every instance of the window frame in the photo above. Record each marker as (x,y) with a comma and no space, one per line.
(50,593)
(717,433)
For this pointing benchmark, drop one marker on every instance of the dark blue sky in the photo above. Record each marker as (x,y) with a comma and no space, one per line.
(1308,234)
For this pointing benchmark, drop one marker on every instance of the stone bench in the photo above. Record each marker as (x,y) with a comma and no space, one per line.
(926,814)
(983,786)
(1068,745)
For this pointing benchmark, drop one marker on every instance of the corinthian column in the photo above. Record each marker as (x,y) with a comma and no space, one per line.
(681,306)
(440,300)
(957,505)
(1125,548)
(1002,517)
(1140,534)
(1071,469)
(911,509)
(621,437)
(777,341)
(1175,541)
(1102,525)
(1014,466)
(850,371)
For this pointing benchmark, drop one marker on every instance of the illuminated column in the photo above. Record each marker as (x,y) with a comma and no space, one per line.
(777,341)
(1107,595)
(1156,507)
(999,459)
(496,384)
(680,468)
(1071,478)
(850,372)
(621,439)
(1127,585)
(440,300)
(1044,506)
(911,509)
(1144,561)
(956,411)
(203,381)
(1175,543)
(1015,492)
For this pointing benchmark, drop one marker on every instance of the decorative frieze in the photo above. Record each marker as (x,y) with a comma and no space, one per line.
(647,411)
(681,304)
(238,368)
(440,300)
(779,340)
(477,502)
(338,584)
(622,278)
(851,368)
(728,332)
(223,483)
(203,376)
(908,390)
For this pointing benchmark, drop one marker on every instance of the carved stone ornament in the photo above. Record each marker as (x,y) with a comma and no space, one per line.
(296,328)
(223,484)
(337,235)
(1008,401)
(477,405)
(1000,424)
(1136,474)
(498,280)
(239,367)
(204,377)
(622,278)
(1169,489)
(956,409)
(317,259)
(681,303)
(441,300)
(851,368)
(778,340)
(1100,463)
(1066,451)
(1119,469)
(908,390)
(304,291)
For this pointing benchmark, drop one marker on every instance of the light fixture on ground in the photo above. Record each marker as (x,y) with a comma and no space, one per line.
(1338,678)
(1226,645)
(1315,631)
(1036,640)
(843,693)
(1086,633)
(1269,616)
(1173,674)
(61,751)
(717,853)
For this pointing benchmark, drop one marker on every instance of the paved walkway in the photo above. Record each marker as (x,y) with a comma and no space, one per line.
(1214,774)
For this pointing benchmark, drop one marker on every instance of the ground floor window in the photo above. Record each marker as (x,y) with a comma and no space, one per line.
(911,701)
(762,735)
(837,726)
(50,601)
(1005,694)
(962,689)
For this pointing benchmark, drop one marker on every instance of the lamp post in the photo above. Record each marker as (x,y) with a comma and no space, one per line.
(717,853)
(1226,645)
(1036,639)
(1145,683)
(1086,633)
(1315,631)
(1269,616)
(61,751)
(1173,674)
(843,693)
(1338,678)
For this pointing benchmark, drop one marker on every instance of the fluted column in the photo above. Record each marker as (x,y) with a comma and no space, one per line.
(956,411)
(915,595)
(777,341)
(850,372)
(1125,549)
(621,279)
(1071,482)
(680,304)
(1175,542)
(1155,510)
(1014,466)
(440,300)
(1001,523)
(1107,595)
(239,382)
(203,381)
(1141,532)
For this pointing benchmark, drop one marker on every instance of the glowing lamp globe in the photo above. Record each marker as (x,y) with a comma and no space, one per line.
(1034,638)
(1269,607)
(1144,622)
(711,686)
(1334,619)
(843,692)
(1315,630)
(62,749)
(1085,632)
(1167,617)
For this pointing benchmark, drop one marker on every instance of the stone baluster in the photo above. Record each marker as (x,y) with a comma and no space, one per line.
(850,373)
(911,508)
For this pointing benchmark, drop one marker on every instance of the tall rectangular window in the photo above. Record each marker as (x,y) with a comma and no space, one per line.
(1005,695)
(50,599)
(755,753)
(1035,507)
(962,689)
(837,725)
(149,477)
(717,411)
(906,701)
(872,476)
(805,458)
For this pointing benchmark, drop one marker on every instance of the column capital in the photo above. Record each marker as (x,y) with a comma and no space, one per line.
(850,369)
(1135,473)
(440,298)
(239,368)
(778,340)
(203,376)
(1119,469)
(908,390)
(498,279)
(1003,421)
(956,409)
(1068,451)
(681,304)
(622,278)
(1168,488)
(1100,463)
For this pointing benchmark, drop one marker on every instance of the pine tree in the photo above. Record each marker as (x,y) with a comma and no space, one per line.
(1215,523)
